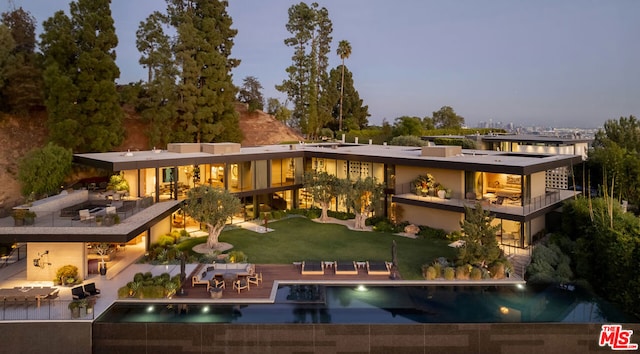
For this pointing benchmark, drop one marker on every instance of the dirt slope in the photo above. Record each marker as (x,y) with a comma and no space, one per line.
(18,135)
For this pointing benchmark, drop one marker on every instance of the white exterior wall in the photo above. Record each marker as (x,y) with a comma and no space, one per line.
(161,228)
(435,218)
(538,184)
(60,254)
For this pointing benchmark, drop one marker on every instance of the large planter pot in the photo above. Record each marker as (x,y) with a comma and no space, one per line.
(442,193)
(102,268)
(18,222)
(216,293)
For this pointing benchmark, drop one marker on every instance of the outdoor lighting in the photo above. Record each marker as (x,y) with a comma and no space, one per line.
(504,310)
(150,308)
(205,309)
(520,286)
(361,288)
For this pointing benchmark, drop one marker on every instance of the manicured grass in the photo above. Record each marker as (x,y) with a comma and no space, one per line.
(297,239)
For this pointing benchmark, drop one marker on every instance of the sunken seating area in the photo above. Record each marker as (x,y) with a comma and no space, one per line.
(346,268)
(73,211)
(378,268)
(312,268)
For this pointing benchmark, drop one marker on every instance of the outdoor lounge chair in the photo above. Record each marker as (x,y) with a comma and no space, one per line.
(91,289)
(240,284)
(378,268)
(312,268)
(78,293)
(346,268)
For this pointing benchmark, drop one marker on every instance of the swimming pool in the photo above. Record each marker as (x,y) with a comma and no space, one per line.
(384,305)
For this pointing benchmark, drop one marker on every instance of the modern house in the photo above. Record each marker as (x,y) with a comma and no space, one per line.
(512,185)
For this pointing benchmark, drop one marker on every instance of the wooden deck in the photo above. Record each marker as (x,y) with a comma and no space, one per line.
(270,274)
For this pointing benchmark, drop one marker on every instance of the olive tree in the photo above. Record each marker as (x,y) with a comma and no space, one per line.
(213,207)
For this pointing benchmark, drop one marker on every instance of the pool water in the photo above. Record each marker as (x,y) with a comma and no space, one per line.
(384,304)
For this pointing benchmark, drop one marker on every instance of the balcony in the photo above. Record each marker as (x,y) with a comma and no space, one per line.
(507,205)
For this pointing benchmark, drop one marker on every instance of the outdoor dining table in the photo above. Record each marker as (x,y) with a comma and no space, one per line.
(37,293)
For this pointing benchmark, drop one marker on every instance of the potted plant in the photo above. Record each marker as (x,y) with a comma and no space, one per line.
(102,249)
(74,306)
(29,217)
(447,193)
(99,220)
(441,191)
(118,184)
(18,216)
(423,184)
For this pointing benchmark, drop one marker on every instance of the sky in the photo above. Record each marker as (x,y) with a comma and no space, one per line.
(552,63)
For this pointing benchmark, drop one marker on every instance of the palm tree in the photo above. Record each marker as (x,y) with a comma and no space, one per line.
(344,51)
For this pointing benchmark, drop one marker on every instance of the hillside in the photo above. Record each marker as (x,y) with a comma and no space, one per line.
(18,136)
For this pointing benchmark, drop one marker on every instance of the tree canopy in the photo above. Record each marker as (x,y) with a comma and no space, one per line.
(615,158)
(213,207)
(251,93)
(42,171)
(446,118)
(80,73)
(480,244)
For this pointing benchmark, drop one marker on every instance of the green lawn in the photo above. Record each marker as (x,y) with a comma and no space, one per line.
(297,239)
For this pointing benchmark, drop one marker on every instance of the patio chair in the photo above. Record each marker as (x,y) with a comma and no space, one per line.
(240,284)
(110,210)
(78,293)
(91,289)
(255,278)
(216,284)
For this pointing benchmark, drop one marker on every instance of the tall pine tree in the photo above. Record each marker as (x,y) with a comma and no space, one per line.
(311,29)
(205,92)
(79,54)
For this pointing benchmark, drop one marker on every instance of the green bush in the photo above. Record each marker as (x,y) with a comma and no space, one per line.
(476,274)
(426,231)
(462,272)
(437,267)
(374,220)
(449,273)
(429,272)
(383,226)
(496,270)
(65,273)
(340,215)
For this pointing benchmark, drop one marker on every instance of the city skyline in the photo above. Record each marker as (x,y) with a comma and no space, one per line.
(552,63)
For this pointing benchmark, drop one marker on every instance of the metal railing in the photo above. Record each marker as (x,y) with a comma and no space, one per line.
(16,254)
(53,218)
(551,197)
(48,310)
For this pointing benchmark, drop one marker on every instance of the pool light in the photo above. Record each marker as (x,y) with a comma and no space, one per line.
(361,288)
(520,286)
(205,309)
(150,308)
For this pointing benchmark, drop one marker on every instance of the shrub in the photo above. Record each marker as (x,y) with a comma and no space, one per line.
(383,226)
(437,267)
(462,272)
(429,272)
(449,273)
(341,215)
(374,220)
(237,257)
(496,270)
(426,231)
(65,273)
(476,274)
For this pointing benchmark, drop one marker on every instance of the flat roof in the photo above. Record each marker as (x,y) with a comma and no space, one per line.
(478,160)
